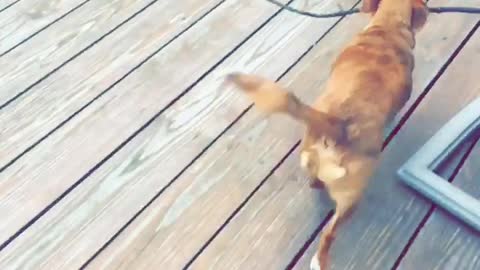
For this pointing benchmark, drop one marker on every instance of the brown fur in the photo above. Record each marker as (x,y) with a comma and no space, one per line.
(370,81)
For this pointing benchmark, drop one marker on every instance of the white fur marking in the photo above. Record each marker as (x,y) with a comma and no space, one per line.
(331,172)
(304,159)
(329,167)
(314,263)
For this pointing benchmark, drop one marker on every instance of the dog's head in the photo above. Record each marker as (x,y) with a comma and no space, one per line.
(320,154)
(419,12)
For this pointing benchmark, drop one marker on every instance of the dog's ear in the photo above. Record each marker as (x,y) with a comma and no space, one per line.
(419,15)
(272,98)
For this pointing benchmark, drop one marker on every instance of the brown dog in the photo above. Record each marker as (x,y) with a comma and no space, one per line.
(370,82)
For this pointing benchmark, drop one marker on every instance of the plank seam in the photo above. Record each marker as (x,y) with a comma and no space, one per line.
(94,168)
(310,240)
(11,4)
(138,131)
(2,106)
(407,114)
(43,28)
(161,191)
(433,207)
(247,199)
(205,149)
(239,208)
(28,149)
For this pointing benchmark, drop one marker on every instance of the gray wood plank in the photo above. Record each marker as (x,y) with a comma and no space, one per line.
(168,232)
(28,17)
(48,50)
(6,4)
(32,116)
(45,172)
(444,242)
(303,262)
(199,202)
(103,203)
(68,88)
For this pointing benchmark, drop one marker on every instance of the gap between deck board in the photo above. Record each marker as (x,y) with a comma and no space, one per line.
(50,50)
(34,117)
(218,19)
(445,242)
(466,149)
(7,4)
(30,17)
(159,210)
(166,256)
(253,56)
(32,166)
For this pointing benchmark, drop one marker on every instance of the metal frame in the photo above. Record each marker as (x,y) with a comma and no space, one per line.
(418,173)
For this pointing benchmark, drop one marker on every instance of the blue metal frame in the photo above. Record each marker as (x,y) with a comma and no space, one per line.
(418,173)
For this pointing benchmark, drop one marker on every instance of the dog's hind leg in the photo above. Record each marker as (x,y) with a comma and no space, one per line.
(321,260)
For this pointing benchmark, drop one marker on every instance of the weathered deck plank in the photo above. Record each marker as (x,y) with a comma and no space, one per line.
(31,117)
(271,51)
(27,17)
(269,229)
(7,4)
(49,50)
(203,198)
(444,242)
(68,90)
(143,101)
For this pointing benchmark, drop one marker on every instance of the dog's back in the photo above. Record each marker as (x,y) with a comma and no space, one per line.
(370,82)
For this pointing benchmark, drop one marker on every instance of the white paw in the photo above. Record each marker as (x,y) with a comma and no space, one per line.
(314,263)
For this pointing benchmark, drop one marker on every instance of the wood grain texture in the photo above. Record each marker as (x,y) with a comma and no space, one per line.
(52,101)
(7,3)
(70,87)
(202,199)
(52,47)
(103,203)
(48,170)
(303,262)
(444,242)
(27,17)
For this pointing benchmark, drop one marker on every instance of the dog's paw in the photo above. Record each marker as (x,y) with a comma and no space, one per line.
(315,263)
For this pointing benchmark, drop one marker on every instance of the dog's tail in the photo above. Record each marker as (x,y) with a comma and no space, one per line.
(271,98)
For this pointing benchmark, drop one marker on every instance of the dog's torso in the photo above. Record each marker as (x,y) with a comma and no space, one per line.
(370,82)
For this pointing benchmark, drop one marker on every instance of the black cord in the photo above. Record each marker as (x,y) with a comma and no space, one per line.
(341,13)
(470,10)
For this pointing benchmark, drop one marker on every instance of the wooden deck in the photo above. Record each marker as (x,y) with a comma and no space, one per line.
(121,149)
